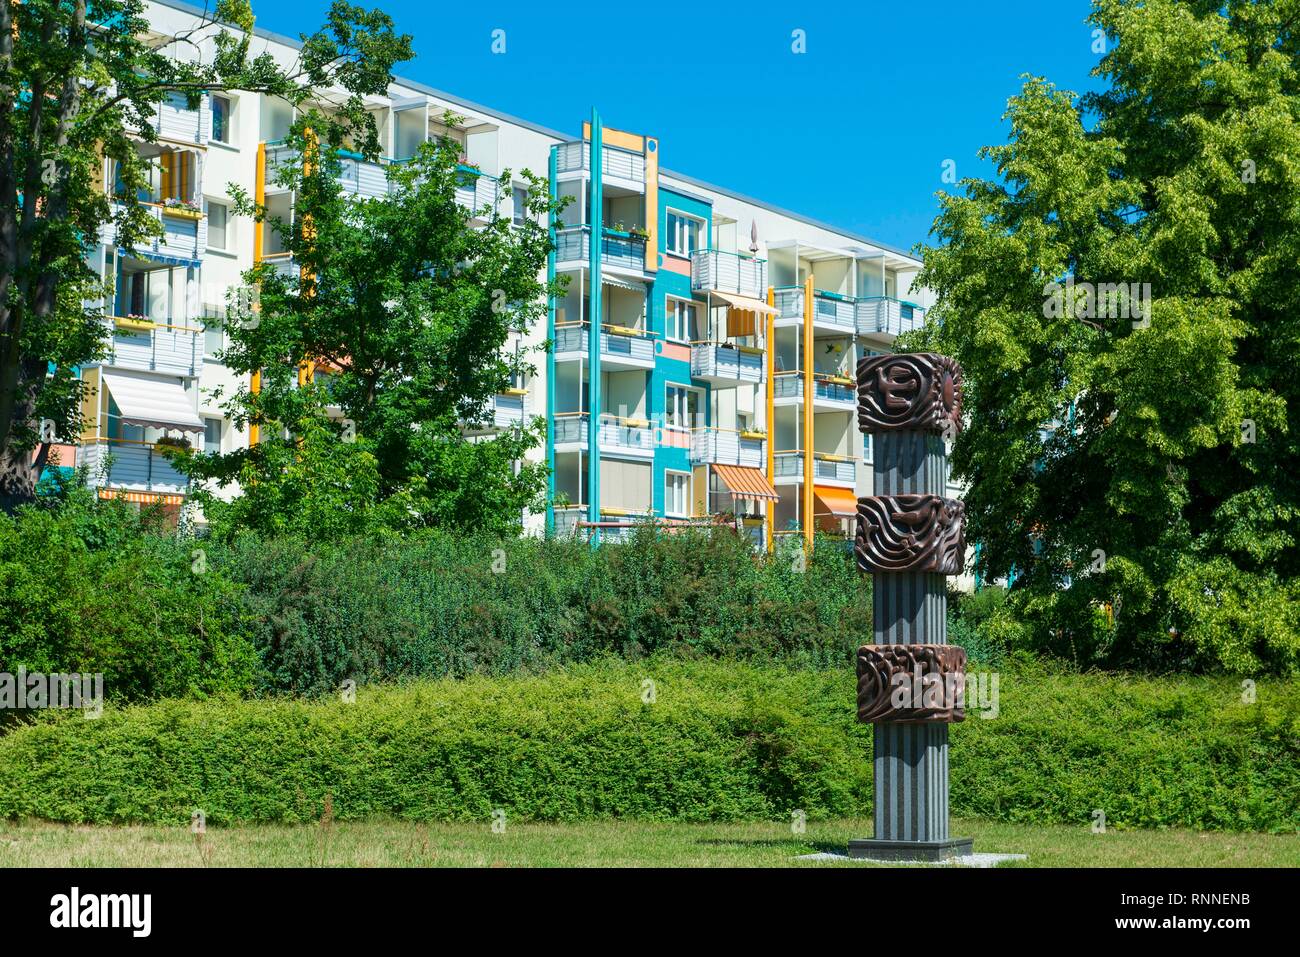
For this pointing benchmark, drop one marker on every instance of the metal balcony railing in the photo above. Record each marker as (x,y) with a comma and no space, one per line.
(714,446)
(828,308)
(131,466)
(140,344)
(884,315)
(723,364)
(615,433)
(714,269)
(615,342)
(174,120)
(184,233)
(825,388)
(572,247)
(618,163)
(826,468)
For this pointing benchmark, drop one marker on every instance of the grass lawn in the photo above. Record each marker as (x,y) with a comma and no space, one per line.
(602,843)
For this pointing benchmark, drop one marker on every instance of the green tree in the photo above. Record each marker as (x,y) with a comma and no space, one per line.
(403,305)
(1138,473)
(80,82)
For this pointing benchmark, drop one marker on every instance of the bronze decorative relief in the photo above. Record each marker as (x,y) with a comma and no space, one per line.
(916,391)
(911,533)
(911,684)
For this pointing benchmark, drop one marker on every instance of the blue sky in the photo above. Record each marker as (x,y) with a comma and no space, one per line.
(854,131)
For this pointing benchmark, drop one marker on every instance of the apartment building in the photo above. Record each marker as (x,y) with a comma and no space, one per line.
(702,356)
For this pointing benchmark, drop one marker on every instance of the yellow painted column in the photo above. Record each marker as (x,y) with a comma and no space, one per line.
(808,414)
(259,197)
(770,343)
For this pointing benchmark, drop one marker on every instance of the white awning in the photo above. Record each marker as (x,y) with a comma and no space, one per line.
(618,282)
(153,402)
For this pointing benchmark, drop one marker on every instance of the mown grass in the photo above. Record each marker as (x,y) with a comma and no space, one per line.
(603,844)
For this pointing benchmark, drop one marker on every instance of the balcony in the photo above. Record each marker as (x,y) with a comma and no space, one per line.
(135,467)
(504,411)
(184,234)
(832,393)
(620,348)
(617,436)
(725,365)
(358,177)
(832,312)
(618,249)
(476,190)
(620,167)
(146,346)
(174,120)
(715,270)
(713,446)
(884,316)
(827,469)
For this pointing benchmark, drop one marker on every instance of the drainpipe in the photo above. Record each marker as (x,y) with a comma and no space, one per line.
(808,414)
(594,237)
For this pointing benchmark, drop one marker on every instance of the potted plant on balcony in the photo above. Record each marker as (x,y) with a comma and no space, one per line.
(133,322)
(171,444)
(617,230)
(639,232)
(182,208)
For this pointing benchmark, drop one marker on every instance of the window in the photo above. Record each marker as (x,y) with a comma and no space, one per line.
(520,196)
(681,320)
(221,117)
(683,234)
(218,222)
(213,339)
(677,494)
(683,411)
(212,429)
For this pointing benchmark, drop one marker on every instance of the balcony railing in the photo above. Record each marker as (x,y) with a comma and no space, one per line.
(615,433)
(882,315)
(713,446)
(826,468)
(618,163)
(825,388)
(174,120)
(140,344)
(616,343)
(184,233)
(131,466)
(714,269)
(725,365)
(829,308)
(361,178)
(572,247)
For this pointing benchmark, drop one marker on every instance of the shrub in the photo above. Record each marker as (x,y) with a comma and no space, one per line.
(720,741)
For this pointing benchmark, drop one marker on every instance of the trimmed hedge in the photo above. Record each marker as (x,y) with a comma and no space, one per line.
(719,742)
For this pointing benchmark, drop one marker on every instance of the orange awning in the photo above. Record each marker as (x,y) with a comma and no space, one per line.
(143,498)
(831,500)
(746,482)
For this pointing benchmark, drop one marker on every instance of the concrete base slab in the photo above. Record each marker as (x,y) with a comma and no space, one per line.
(869,849)
(965,860)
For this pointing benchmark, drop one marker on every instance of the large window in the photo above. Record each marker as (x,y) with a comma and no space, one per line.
(218,225)
(677,494)
(683,234)
(213,336)
(683,407)
(682,324)
(222,114)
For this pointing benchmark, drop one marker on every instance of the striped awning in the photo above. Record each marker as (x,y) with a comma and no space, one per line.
(620,283)
(831,500)
(745,482)
(151,401)
(143,498)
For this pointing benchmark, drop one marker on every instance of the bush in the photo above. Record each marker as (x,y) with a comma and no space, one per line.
(720,741)
(96,590)
(434,604)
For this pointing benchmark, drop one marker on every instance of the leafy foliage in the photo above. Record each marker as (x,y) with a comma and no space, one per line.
(80,83)
(403,306)
(1136,476)
(719,741)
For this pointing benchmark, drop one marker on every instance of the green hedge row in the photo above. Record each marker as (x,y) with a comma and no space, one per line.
(90,588)
(719,741)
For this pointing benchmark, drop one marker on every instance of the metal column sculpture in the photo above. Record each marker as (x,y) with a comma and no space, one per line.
(911,682)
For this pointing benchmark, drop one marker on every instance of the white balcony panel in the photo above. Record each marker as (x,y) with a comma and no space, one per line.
(713,269)
(725,366)
(160,349)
